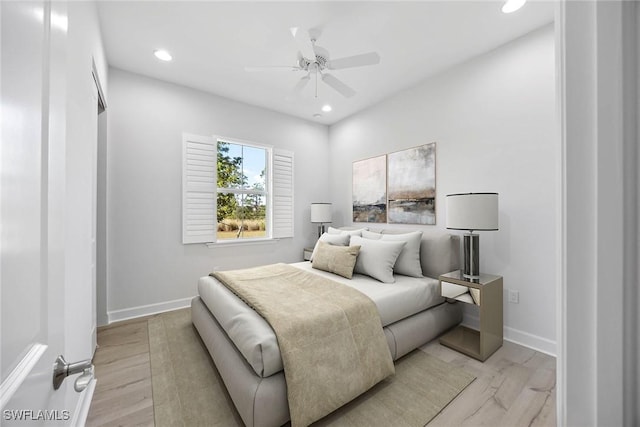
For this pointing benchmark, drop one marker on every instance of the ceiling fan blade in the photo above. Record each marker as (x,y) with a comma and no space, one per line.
(302,83)
(370,58)
(272,68)
(303,40)
(340,87)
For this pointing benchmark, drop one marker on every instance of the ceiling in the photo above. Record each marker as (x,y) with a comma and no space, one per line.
(211,43)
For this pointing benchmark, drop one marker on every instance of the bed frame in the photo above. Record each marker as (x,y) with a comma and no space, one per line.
(262,402)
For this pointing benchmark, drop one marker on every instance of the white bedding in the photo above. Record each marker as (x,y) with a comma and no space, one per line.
(257,342)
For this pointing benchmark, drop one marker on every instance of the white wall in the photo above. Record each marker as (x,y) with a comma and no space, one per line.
(493,119)
(147,263)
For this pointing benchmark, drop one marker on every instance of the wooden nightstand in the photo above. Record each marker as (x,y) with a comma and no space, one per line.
(306,253)
(486,293)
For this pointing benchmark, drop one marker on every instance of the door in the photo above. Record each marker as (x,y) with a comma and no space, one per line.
(33,215)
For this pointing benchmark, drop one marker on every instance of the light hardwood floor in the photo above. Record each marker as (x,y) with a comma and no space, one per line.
(123,392)
(514,387)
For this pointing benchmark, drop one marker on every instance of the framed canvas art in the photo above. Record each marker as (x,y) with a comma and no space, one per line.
(370,190)
(412,186)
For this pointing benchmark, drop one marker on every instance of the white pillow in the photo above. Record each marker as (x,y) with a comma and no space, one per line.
(376,258)
(357,232)
(332,239)
(408,262)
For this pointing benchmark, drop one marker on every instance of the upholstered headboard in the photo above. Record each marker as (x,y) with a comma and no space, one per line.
(439,250)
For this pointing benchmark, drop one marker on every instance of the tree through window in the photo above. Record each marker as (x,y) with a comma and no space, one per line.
(241,191)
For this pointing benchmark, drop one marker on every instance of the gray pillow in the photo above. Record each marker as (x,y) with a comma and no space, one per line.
(408,262)
(371,235)
(336,259)
(332,239)
(376,258)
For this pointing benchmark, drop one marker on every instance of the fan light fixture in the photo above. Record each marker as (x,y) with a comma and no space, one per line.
(316,63)
(326,108)
(512,5)
(162,55)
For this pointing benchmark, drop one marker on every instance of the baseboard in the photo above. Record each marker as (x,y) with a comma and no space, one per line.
(146,310)
(79,416)
(534,342)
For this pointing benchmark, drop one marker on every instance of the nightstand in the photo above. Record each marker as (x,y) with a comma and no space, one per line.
(486,293)
(306,254)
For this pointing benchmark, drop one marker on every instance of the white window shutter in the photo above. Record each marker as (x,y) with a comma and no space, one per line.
(199,191)
(282,194)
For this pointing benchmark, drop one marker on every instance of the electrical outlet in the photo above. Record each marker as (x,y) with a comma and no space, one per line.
(514,296)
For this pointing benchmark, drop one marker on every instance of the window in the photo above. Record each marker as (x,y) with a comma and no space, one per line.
(242,198)
(235,190)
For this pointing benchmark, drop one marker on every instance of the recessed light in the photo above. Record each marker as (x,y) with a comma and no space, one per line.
(317,115)
(513,5)
(162,55)
(326,108)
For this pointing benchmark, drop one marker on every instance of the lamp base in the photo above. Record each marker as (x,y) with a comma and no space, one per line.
(320,230)
(471,258)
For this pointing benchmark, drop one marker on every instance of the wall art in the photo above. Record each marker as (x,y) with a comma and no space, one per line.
(412,186)
(370,190)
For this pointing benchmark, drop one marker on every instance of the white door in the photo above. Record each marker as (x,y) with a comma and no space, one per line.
(33,216)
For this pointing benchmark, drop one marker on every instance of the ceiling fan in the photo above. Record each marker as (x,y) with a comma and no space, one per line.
(315,60)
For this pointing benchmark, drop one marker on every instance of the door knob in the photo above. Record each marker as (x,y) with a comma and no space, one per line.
(62,369)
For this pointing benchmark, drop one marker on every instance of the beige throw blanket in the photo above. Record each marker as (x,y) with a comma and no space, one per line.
(330,335)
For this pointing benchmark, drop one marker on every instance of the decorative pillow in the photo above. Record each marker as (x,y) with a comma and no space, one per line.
(408,262)
(332,239)
(357,232)
(376,258)
(339,260)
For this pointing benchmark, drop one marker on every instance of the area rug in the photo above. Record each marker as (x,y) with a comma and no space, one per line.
(188,391)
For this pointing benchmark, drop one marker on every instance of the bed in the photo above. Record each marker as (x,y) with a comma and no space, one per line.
(245,350)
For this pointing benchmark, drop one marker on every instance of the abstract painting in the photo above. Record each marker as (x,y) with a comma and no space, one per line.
(412,186)
(370,190)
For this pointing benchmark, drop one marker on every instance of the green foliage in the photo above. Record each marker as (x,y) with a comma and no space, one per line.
(230,175)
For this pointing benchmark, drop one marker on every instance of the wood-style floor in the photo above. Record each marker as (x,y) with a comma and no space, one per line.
(123,369)
(514,387)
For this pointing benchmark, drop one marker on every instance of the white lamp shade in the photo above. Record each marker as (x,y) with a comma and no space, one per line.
(320,212)
(472,211)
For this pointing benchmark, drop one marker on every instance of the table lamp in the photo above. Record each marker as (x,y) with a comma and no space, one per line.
(320,214)
(472,212)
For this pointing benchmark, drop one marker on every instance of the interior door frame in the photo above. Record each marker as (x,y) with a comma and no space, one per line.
(598,59)
(97,262)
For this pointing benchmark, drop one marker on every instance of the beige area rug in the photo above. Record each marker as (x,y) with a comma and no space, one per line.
(188,391)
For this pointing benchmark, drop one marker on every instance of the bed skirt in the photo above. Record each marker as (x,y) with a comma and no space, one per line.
(262,402)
